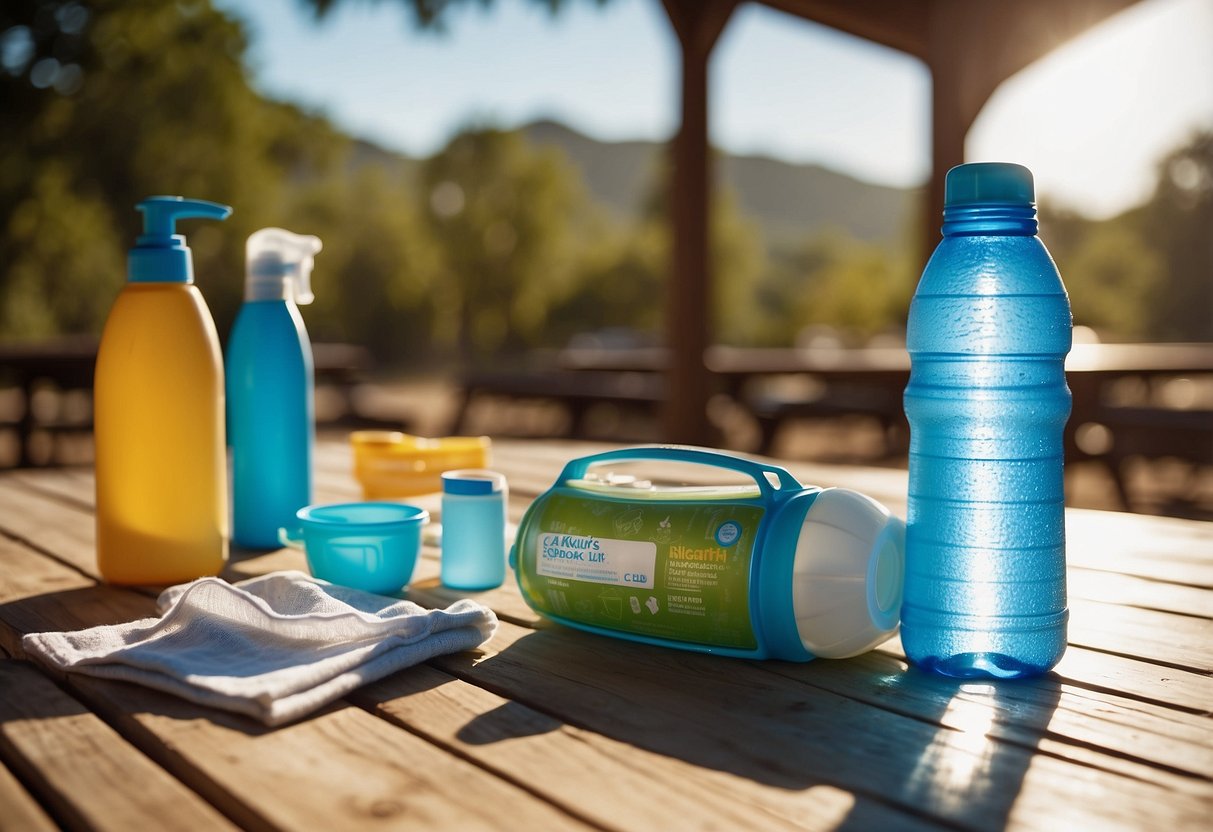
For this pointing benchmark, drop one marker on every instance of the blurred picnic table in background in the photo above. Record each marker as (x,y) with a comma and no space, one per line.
(1131,402)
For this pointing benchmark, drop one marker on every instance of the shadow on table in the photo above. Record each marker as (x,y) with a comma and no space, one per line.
(972,768)
(931,747)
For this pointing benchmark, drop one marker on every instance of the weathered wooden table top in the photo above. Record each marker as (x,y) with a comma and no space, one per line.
(549,728)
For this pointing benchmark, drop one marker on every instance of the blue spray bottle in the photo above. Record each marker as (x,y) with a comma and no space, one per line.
(270,405)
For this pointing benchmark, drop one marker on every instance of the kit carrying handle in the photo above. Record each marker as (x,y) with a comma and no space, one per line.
(766,476)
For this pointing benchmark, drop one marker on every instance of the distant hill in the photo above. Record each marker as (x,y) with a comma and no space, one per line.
(789,201)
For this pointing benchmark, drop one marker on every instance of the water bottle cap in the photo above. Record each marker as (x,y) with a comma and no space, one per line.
(847,574)
(983,183)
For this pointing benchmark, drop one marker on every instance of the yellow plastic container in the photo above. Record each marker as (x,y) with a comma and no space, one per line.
(390,464)
(161,466)
(158,414)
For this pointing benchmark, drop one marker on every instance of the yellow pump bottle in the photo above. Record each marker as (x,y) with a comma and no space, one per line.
(159,415)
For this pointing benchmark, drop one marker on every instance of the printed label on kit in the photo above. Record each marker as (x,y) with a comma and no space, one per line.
(598,560)
(666,569)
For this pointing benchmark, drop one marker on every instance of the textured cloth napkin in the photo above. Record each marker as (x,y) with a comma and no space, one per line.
(275,647)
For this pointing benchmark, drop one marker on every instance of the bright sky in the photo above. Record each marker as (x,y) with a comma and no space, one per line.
(1090,120)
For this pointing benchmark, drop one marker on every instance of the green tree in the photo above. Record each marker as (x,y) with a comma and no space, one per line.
(115,100)
(833,279)
(1178,222)
(1147,273)
(502,215)
(623,267)
(374,276)
(1113,277)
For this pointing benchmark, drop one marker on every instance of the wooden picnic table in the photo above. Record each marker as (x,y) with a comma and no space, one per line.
(550,728)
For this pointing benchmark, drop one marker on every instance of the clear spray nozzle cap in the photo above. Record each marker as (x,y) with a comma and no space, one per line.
(280,265)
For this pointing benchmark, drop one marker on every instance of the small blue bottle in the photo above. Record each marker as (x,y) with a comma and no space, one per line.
(473,529)
(270,407)
(987,402)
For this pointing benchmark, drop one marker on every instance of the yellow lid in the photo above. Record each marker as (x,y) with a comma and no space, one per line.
(393,464)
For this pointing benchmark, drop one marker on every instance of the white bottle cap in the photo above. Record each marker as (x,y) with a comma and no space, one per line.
(847,574)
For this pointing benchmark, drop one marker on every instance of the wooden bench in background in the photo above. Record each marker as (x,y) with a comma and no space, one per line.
(50,383)
(578,393)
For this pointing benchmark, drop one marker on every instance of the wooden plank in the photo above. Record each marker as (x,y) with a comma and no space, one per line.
(1139,679)
(506,600)
(68,532)
(1161,550)
(81,768)
(1092,728)
(560,668)
(1175,640)
(1132,591)
(609,783)
(1155,548)
(21,812)
(72,484)
(340,769)
(1158,548)
(1129,678)
(736,717)
(38,594)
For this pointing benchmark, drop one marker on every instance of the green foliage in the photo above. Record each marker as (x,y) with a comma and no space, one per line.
(832,279)
(63,262)
(1179,224)
(502,215)
(1148,273)
(161,106)
(431,14)
(623,268)
(487,250)
(621,282)
(1113,277)
(374,276)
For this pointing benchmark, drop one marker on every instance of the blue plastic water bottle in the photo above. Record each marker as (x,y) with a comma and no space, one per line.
(270,408)
(988,333)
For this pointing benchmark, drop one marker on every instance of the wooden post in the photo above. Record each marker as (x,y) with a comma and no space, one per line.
(689,308)
(950,123)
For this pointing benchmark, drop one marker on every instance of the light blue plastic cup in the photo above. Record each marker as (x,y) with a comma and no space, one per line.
(368,546)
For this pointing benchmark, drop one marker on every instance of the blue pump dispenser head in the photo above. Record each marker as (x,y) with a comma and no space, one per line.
(160,254)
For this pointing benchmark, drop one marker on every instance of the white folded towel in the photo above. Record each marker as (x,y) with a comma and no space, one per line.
(275,647)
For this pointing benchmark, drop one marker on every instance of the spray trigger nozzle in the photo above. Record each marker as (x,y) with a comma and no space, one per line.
(280,265)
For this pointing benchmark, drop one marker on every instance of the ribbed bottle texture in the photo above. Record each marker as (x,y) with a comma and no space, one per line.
(987,402)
